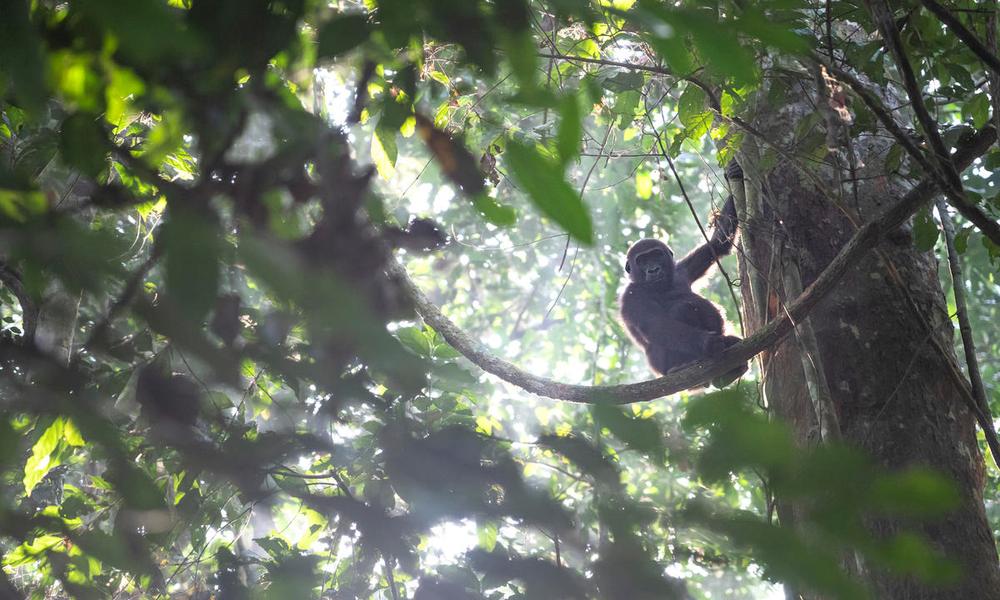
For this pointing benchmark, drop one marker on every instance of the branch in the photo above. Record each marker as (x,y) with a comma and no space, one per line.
(701,372)
(609,63)
(964,34)
(980,404)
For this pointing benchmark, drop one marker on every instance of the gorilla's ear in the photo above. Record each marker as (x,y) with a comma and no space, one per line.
(628,267)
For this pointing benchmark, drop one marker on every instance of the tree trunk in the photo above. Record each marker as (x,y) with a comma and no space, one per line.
(864,366)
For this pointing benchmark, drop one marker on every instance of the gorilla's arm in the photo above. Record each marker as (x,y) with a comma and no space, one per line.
(695,264)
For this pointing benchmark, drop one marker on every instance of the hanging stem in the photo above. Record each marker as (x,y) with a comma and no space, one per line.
(964,327)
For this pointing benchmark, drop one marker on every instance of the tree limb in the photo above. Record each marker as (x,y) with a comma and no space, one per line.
(866,237)
(980,402)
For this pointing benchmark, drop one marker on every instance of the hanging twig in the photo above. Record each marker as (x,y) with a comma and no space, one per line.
(964,326)
(991,39)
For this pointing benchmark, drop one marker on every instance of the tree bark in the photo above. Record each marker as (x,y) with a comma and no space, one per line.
(872,344)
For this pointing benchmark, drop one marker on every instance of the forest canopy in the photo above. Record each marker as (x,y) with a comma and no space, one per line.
(309,299)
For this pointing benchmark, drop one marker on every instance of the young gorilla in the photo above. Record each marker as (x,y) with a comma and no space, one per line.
(674,325)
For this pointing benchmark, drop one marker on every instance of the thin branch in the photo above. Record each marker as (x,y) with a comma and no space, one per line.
(701,372)
(964,34)
(610,63)
(991,39)
(390,577)
(965,328)
(621,154)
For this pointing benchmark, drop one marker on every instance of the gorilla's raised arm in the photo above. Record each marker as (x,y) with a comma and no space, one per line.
(695,264)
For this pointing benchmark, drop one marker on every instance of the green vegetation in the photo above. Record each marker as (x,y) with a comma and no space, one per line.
(210,387)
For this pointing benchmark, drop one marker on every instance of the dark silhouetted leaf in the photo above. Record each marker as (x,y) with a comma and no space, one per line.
(925,231)
(83,143)
(22,57)
(341,34)
(191,240)
(643,435)
(585,455)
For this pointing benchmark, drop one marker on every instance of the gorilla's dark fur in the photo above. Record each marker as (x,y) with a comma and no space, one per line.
(674,325)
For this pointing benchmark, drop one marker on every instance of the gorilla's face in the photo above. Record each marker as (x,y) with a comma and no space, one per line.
(649,261)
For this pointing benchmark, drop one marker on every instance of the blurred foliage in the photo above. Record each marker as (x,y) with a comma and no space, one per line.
(250,407)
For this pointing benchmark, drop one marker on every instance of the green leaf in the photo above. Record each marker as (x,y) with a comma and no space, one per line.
(22,57)
(908,553)
(342,34)
(755,23)
(415,339)
(83,143)
(148,32)
(925,231)
(192,243)
(916,492)
(639,434)
(643,185)
(493,211)
(42,460)
(136,487)
(123,87)
(570,129)
(962,240)
(111,550)
(716,42)
(693,113)
(585,455)
(546,187)
(487,534)
(384,151)
(523,58)
(786,555)
(894,158)
(30,551)
(977,109)
(674,51)
(625,106)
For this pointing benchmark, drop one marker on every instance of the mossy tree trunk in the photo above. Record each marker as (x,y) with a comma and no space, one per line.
(867,366)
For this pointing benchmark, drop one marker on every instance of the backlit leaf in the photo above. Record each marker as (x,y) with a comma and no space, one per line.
(542,179)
